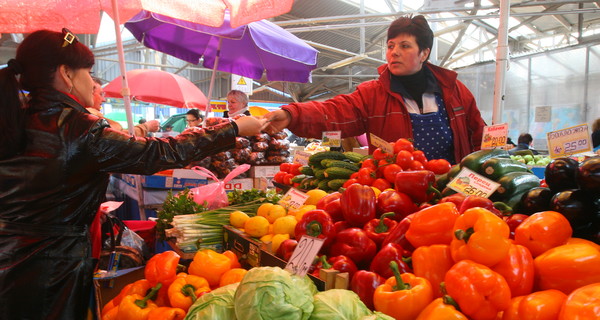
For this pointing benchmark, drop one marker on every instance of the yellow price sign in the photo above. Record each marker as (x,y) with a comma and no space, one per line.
(569,141)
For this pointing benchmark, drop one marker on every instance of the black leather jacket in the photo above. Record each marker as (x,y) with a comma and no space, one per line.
(51,191)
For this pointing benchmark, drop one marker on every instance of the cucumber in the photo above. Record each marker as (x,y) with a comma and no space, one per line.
(319,173)
(323,184)
(338,173)
(354,156)
(441,181)
(514,183)
(307,171)
(305,184)
(317,157)
(474,160)
(454,170)
(298,178)
(335,184)
(494,168)
(340,164)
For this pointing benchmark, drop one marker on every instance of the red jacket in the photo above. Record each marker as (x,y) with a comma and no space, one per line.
(374,108)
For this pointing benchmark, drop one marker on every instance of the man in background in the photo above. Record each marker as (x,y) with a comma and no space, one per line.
(97,107)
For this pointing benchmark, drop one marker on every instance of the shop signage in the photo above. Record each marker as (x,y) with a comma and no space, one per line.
(494,136)
(293,199)
(241,83)
(332,139)
(382,144)
(543,114)
(469,183)
(569,141)
(304,254)
(301,157)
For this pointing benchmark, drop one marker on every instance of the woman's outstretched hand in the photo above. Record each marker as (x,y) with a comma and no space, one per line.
(277,121)
(250,126)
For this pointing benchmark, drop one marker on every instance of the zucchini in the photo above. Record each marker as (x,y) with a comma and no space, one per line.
(341,164)
(323,184)
(494,168)
(354,156)
(338,173)
(474,160)
(307,171)
(335,184)
(514,183)
(453,172)
(447,192)
(441,181)
(317,157)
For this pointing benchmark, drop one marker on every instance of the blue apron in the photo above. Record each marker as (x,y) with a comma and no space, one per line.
(432,133)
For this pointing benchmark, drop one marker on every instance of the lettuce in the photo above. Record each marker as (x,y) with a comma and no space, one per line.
(339,304)
(271,293)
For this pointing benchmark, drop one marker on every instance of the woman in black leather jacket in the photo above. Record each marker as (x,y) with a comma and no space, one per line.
(55,160)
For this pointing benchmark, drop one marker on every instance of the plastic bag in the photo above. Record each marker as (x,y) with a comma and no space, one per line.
(214,193)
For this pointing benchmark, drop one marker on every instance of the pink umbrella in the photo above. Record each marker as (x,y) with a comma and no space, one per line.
(161,87)
(83,16)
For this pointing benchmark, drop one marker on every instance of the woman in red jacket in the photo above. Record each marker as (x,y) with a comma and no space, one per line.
(411,99)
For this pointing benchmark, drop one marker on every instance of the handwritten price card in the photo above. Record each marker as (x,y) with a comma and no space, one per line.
(469,183)
(569,141)
(332,139)
(304,254)
(301,157)
(494,136)
(293,199)
(382,144)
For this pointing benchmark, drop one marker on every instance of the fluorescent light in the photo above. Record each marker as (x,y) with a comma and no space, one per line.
(345,62)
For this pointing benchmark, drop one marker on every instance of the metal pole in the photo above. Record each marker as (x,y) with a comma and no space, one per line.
(212,82)
(501,62)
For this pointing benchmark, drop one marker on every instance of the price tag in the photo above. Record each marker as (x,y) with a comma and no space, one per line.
(494,136)
(304,255)
(301,157)
(332,139)
(293,199)
(469,183)
(569,141)
(382,144)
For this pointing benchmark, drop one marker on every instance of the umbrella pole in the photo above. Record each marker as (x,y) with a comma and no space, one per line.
(127,102)
(212,82)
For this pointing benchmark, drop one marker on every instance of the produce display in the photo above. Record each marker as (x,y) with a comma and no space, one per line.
(410,246)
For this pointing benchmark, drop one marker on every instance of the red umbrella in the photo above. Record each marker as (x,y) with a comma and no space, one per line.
(158,86)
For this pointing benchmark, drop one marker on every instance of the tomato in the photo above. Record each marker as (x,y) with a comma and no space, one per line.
(389,172)
(369,163)
(379,171)
(349,182)
(287,179)
(416,165)
(279,176)
(366,176)
(295,168)
(419,156)
(380,155)
(438,166)
(403,144)
(285,167)
(404,159)
(354,175)
(381,184)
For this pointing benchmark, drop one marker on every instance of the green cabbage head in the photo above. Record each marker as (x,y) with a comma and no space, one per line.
(338,304)
(214,305)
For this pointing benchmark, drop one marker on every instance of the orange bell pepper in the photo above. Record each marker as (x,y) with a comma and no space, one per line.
(162,268)
(184,291)
(433,225)
(542,231)
(568,267)
(438,309)
(210,265)
(579,240)
(235,262)
(582,304)
(232,276)
(480,292)
(432,263)
(166,313)
(137,307)
(480,236)
(403,296)
(517,269)
(539,305)
(110,314)
(140,287)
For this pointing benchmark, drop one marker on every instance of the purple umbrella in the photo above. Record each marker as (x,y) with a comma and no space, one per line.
(248,50)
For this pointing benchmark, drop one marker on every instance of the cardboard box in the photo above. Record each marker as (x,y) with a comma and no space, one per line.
(164,182)
(263,183)
(362,150)
(263,171)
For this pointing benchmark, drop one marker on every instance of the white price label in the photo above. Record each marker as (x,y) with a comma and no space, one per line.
(293,199)
(332,139)
(494,136)
(304,255)
(382,144)
(301,157)
(569,141)
(469,183)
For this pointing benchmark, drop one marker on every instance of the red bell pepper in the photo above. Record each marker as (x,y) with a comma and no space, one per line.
(517,269)
(397,202)
(378,229)
(456,198)
(477,201)
(364,284)
(339,263)
(418,185)
(331,203)
(318,224)
(286,248)
(398,235)
(355,244)
(340,225)
(381,261)
(358,204)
